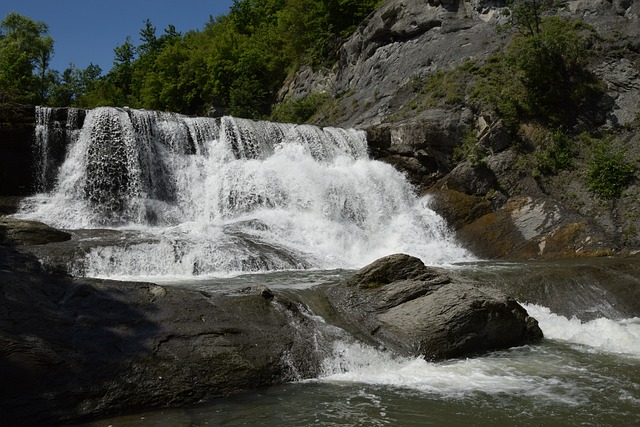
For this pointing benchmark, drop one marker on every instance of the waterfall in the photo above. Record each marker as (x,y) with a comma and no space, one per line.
(56,128)
(194,196)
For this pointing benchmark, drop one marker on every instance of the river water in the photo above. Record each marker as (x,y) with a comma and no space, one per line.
(583,373)
(221,204)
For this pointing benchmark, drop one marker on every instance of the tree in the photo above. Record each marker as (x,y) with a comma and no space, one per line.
(73,84)
(550,56)
(121,75)
(150,44)
(25,54)
(526,15)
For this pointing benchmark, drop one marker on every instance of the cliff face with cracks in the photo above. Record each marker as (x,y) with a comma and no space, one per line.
(499,205)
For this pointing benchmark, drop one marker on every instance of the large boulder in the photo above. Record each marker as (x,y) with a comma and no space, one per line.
(85,347)
(398,303)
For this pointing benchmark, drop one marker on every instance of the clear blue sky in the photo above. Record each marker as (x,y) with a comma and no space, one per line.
(86,31)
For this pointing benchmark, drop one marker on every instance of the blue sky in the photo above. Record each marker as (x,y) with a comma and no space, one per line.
(86,32)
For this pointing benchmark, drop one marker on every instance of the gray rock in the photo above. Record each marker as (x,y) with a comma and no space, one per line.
(18,232)
(85,347)
(398,303)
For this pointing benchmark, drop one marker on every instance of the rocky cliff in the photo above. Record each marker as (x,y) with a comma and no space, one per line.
(499,203)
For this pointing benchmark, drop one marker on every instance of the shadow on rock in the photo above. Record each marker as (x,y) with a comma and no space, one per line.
(71,348)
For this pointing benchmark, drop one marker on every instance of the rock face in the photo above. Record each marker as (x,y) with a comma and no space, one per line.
(83,347)
(406,40)
(398,303)
(384,64)
(16,157)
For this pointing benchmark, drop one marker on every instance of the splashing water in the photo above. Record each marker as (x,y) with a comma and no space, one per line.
(210,196)
(561,370)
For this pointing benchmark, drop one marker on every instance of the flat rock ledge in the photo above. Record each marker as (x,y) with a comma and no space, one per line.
(80,348)
(398,303)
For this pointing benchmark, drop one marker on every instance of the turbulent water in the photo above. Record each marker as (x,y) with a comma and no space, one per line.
(208,203)
(203,196)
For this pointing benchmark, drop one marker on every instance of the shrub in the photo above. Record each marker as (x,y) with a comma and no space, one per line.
(608,172)
(300,110)
(555,154)
(469,150)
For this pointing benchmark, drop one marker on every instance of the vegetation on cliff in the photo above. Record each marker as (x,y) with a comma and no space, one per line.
(541,89)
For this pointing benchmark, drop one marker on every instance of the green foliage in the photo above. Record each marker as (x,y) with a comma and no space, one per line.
(237,62)
(554,154)
(608,171)
(72,84)
(470,150)
(526,15)
(298,111)
(25,53)
(445,88)
(551,66)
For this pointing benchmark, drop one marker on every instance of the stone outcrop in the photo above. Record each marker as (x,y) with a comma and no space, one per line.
(401,42)
(407,40)
(398,303)
(71,348)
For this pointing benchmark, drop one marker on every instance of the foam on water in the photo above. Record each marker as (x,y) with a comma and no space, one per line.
(601,335)
(532,371)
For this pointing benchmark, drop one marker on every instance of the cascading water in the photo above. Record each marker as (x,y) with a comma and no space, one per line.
(214,196)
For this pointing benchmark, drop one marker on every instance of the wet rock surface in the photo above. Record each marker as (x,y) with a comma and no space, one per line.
(78,347)
(430,312)
(19,232)
(72,348)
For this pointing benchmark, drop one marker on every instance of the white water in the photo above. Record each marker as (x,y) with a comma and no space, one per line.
(541,371)
(217,196)
(598,335)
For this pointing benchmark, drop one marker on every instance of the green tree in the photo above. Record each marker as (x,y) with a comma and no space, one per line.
(73,84)
(526,15)
(549,55)
(25,53)
(121,75)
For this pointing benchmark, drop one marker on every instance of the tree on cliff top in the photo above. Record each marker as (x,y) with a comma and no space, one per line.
(25,52)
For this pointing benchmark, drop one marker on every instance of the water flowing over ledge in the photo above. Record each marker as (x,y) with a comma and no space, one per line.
(203,196)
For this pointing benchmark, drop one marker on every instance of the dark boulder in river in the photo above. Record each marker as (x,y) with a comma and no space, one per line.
(414,310)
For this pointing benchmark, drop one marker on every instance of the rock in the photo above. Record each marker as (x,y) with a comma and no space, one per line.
(398,303)
(526,227)
(71,348)
(16,153)
(265,292)
(19,232)
(422,150)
